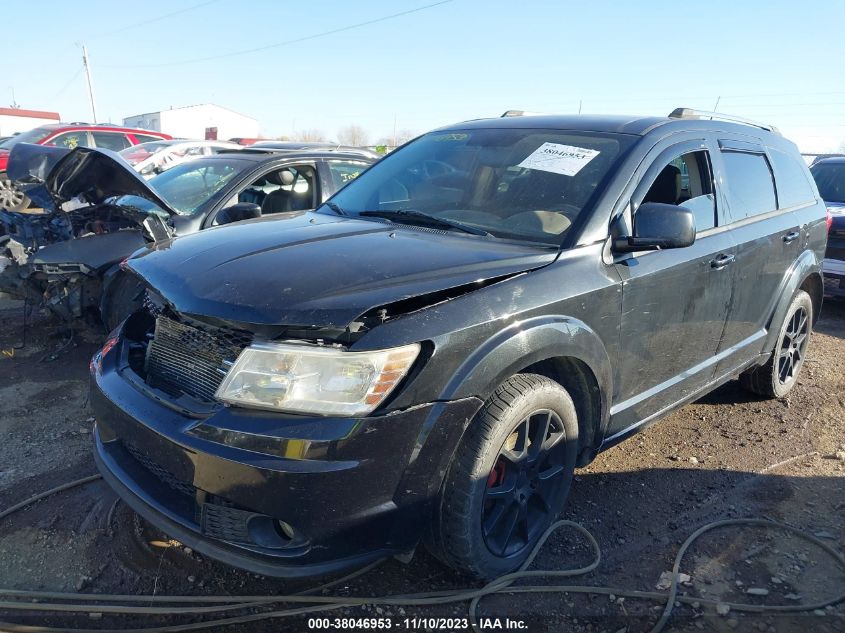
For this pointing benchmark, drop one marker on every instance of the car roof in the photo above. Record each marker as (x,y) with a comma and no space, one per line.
(838,160)
(100,126)
(268,155)
(619,124)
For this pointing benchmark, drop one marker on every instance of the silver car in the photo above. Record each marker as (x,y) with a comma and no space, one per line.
(152,158)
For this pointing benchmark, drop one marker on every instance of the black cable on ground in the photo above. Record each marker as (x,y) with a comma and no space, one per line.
(79,602)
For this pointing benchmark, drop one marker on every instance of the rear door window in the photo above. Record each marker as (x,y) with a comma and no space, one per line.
(750,185)
(115,141)
(344,171)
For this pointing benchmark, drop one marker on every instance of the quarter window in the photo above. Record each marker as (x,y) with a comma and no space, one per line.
(793,180)
(750,184)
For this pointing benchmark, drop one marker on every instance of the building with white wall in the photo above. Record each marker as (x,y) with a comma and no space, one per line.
(14,120)
(203,121)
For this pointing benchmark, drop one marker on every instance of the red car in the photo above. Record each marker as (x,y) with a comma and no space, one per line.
(68,135)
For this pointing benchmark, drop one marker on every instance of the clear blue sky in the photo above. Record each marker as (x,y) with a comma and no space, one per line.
(778,61)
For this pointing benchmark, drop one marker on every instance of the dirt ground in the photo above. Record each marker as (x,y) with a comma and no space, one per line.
(728,455)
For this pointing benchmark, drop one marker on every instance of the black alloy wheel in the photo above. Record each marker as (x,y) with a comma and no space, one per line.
(779,374)
(524,484)
(508,479)
(793,346)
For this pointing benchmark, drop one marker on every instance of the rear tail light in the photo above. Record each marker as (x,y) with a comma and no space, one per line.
(829,219)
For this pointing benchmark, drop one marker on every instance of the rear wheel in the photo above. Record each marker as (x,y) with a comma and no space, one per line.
(11,198)
(509,478)
(778,376)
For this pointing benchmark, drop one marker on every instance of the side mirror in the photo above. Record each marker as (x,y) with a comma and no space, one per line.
(238,212)
(658,225)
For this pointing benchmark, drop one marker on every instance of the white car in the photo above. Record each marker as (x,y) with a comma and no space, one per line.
(152,158)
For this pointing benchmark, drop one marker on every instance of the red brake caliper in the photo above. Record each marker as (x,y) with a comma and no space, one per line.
(497,475)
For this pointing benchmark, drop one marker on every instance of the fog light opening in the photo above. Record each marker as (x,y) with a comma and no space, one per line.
(267,532)
(285,530)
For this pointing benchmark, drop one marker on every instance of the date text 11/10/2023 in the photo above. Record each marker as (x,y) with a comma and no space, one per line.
(415,624)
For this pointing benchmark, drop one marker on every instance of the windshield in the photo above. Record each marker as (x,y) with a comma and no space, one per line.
(830,179)
(188,186)
(31,136)
(528,184)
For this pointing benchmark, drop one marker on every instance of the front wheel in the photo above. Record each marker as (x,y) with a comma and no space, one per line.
(778,376)
(509,478)
(11,198)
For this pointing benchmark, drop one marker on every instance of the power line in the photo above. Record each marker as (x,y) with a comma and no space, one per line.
(65,87)
(152,20)
(286,42)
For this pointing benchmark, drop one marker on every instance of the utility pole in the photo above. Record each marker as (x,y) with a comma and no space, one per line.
(90,84)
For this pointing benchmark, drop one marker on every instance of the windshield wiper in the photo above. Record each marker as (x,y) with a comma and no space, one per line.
(417,217)
(335,208)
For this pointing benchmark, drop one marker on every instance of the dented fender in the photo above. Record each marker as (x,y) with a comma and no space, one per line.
(804,266)
(525,343)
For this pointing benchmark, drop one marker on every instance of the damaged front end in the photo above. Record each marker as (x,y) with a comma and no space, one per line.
(56,256)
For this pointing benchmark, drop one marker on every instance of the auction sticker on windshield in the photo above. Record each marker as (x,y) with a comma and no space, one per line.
(559,159)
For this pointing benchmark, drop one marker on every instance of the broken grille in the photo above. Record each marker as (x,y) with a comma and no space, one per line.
(183,358)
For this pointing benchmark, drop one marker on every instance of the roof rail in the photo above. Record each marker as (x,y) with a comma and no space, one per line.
(690,113)
(510,113)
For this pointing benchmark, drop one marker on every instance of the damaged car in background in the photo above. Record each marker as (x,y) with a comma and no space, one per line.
(97,210)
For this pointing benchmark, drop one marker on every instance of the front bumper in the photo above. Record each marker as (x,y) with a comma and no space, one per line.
(348,491)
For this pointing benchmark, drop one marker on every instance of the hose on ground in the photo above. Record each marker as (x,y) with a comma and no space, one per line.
(66,602)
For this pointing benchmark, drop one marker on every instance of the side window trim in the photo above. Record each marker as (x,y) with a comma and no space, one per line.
(736,145)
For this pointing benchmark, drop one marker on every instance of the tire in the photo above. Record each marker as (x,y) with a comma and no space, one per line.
(124,297)
(11,198)
(778,376)
(485,490)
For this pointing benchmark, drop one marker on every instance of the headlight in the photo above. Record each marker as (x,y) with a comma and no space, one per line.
(318,380)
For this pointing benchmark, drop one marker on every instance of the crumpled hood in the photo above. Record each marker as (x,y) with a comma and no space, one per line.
(53,175)
(315,270)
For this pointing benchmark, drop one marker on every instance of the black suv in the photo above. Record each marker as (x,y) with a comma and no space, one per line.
(432,352)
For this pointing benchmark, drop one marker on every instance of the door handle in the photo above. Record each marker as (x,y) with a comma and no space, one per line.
(721,261)
(791,236)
